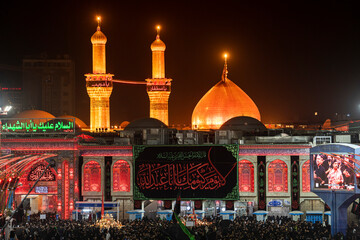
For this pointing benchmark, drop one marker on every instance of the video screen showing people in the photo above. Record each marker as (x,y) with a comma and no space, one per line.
(333,172)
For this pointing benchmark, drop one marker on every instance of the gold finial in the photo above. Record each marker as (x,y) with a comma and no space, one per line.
(158,32)
(225,70)
(99,21)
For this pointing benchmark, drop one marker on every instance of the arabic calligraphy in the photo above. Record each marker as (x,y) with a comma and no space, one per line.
(54,125)
(158,88)
(194,176)
(38,170)
(181,155)
(99,83)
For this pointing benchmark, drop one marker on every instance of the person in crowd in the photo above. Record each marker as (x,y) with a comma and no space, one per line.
(319,172)
(147,229)
(335,176)
(347,168)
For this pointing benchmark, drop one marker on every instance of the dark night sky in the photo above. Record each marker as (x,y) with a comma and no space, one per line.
(291,57)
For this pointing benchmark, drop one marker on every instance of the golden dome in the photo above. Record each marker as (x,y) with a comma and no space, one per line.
(222,102)
(158,45)
(124,124)
(98,37)
(36,116)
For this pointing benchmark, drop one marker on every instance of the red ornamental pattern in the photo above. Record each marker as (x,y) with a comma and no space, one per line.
(278,176)
(92,177)
(246,176)
(295,204)
(306,176)
(137,204)
(167,204)
(198,205)
(229,205)
(121,176)
(66,189)
(262,205)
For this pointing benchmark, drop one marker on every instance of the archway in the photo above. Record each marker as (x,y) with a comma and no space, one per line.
(17,176)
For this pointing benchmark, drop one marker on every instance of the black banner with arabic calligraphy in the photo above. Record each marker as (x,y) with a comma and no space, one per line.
(36,172)
(198,172)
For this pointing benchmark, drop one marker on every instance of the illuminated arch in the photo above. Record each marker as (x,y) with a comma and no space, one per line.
(121,176)
(278,176)
(246,176)
(92,177)
(305,176)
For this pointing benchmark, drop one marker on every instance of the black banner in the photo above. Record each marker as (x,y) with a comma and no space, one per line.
(261,161)
(295,183)
(198,205)
(107,175)
(167,204)
(198,172)
(137,204)
(230,205)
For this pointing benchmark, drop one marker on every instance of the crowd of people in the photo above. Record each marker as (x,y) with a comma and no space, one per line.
(240,228)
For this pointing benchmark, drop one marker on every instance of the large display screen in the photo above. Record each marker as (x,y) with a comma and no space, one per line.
(333,171)
(196,172)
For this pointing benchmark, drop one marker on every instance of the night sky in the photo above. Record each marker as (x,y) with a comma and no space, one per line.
(293,58)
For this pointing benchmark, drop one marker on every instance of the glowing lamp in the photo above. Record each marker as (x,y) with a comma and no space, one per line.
(59,173)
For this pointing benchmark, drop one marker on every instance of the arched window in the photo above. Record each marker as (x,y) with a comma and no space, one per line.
(92,177)
(278,176)
(306,176)
(121,176)
(246,176)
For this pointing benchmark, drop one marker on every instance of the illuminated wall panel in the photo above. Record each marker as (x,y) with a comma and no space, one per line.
(278,176)
(92,177)
(246,176)
(121,176)
(306,176)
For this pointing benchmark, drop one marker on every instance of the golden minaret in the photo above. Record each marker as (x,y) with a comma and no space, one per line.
(158,87)
(99,84)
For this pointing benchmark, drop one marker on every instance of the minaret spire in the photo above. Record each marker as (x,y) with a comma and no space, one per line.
(98,84)
(158,87)
(158,56)
(158,32)
(225,70)
(99,21)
